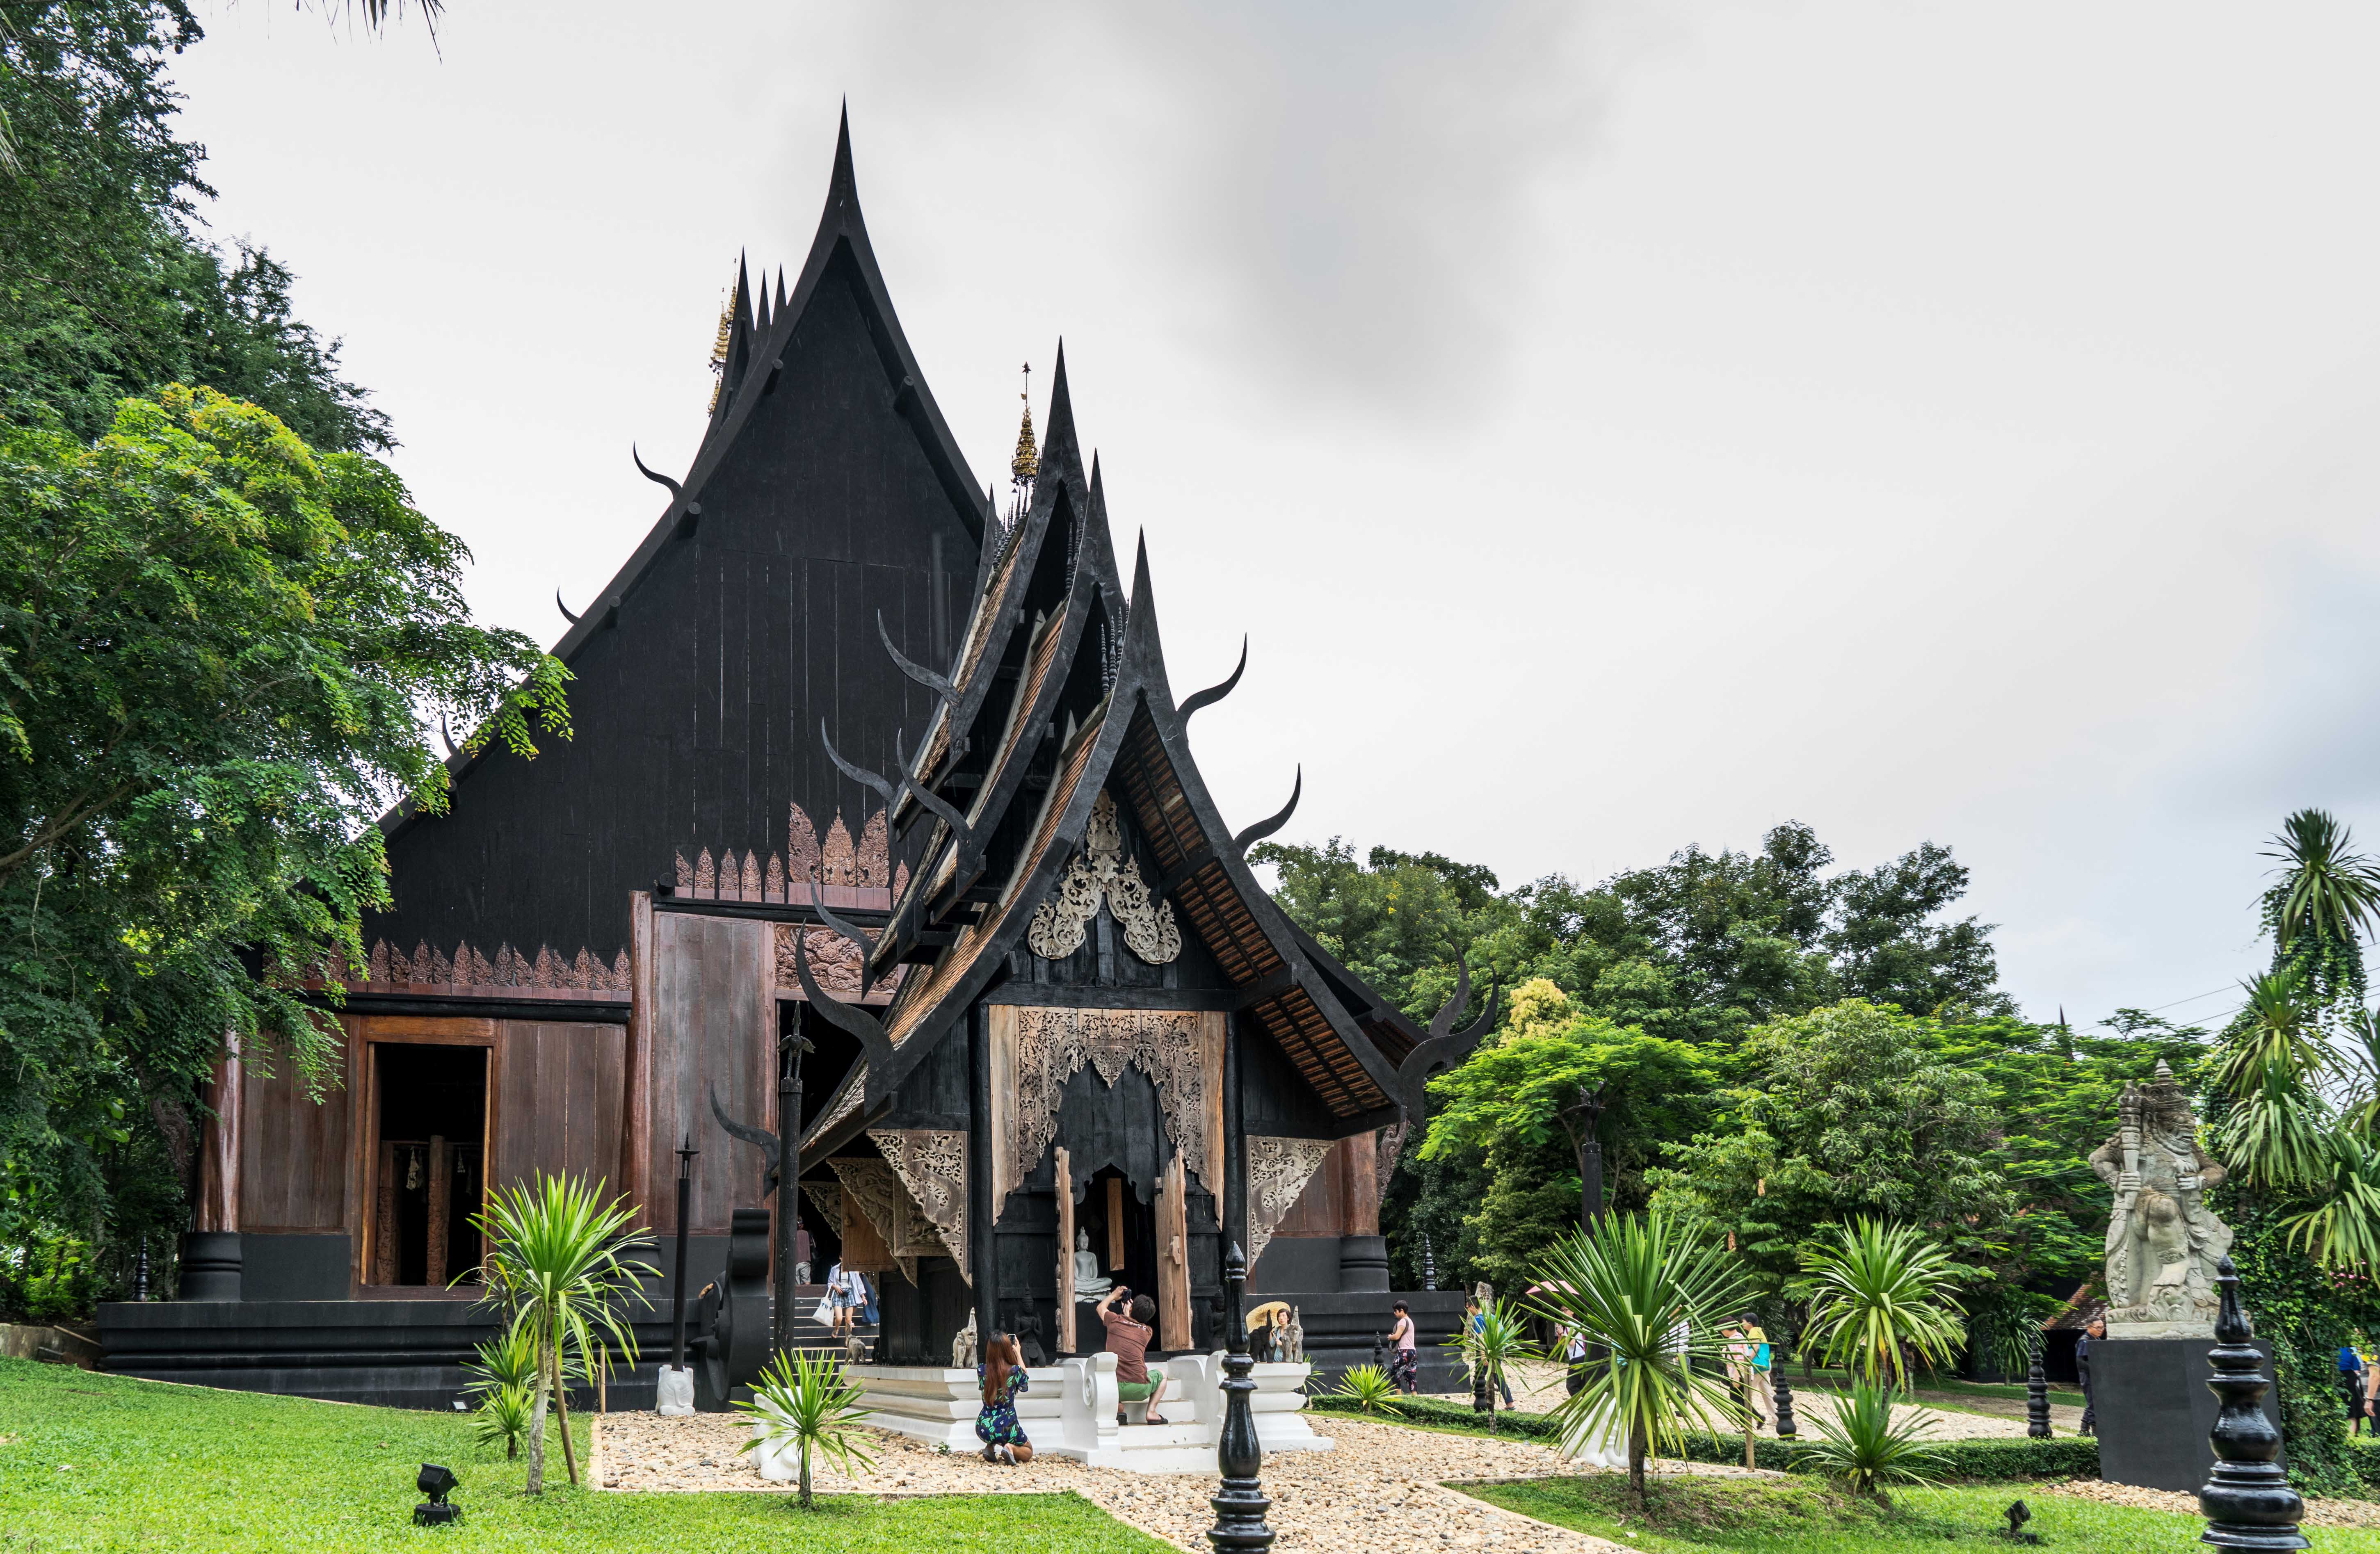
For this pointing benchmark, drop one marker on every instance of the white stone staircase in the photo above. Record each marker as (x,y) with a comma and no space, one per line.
(1069,1410)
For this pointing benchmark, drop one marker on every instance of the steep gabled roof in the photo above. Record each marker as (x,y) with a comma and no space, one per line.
(756,347)
(1132,743)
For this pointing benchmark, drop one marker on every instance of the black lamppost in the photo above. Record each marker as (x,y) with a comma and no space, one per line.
(1241,1504)
(685,1154)
(2248,1503)
(1579,1119)
(789,1172)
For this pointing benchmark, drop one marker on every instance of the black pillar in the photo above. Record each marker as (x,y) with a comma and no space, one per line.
(983,1253)
(789,1170)
(1240,1504)
(1235,1144)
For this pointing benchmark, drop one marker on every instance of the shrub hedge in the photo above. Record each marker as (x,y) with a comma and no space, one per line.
(2002,1460)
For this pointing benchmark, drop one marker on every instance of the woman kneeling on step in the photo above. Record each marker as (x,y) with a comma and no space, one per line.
(1137,1381)
(996,1424)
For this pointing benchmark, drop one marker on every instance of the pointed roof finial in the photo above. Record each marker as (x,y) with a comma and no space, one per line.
(1027,462)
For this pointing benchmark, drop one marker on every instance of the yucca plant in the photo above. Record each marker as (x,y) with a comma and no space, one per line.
(2342,1231)
(505,1377)
(1491,1346)
(806,1401)
(1368,1387)
(1877,1291)
(2273,1135)
(1646,1295)
(1867,1448)
(503,1416)
(556,1267)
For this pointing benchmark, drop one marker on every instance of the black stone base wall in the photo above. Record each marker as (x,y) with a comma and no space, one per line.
(2155,1409)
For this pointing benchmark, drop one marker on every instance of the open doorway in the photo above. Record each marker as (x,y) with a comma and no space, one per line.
(430,1168)
(1124,1235)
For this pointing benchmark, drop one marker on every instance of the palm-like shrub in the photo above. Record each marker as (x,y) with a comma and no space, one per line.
(503,1416)
(1877,1293)
(504,1376)
(556,1267)
(2342,1228)
(1865,1446)
(807,1402)
(1368,1387)
(1647,1295)
(1492,1345)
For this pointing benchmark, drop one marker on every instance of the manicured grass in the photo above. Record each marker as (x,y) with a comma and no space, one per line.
(1769,1516)
(106,1463)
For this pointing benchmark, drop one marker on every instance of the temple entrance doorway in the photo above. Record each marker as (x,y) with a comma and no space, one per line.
(1123,1237)
(430,1162)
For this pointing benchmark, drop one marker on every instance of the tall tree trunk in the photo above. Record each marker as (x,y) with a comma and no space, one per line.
(537,1436)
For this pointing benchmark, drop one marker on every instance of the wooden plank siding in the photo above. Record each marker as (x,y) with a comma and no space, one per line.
(713,1020)
(559,1090)
(293,1148)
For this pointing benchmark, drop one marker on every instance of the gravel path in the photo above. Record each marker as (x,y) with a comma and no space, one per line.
(1537,1389)
(2319,1513)
(1381,1488)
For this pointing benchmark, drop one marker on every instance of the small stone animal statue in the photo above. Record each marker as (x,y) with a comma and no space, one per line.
(962,1347)
(1028,1339)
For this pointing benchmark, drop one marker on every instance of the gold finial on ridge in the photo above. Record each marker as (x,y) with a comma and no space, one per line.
(1027,462)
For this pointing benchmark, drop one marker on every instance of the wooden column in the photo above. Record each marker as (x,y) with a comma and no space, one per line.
(983,1247)
(1063,1171)
(636,1114)
(1115,1224)
(442,1194)
(219,1143)
(1359,1157)
(1173,1258)
(384,1219)
(1236,1148)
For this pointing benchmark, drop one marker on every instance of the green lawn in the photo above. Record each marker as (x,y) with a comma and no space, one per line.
(1804,1516)
(106,1463)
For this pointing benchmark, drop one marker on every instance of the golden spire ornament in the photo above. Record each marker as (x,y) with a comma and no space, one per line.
(1027,462)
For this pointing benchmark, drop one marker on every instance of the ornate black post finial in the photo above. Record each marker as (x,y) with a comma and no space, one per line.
(2036,1394)
(1241,1504)
(1787,1425)
(2248,1503)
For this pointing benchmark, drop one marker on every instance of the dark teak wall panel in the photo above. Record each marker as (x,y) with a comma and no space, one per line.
(293,1168)
(714,1023)
(559,1092)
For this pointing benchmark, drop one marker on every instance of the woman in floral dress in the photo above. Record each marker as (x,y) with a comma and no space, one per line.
(996,1424)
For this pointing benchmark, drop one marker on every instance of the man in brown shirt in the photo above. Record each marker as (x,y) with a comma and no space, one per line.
(1128,1338)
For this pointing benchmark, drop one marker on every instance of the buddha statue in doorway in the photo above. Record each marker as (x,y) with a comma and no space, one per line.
(1089,1284)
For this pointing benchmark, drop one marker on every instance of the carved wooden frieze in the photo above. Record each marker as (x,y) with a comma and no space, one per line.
(834,965)
(1105,870)
(827,1199)
(1277,1171)
(1390,1142)
(850,873)
(510,973)
(891,1213)
(1050,1046)
(932,1164)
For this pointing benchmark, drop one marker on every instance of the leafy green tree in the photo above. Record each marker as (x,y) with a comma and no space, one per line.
(1846,1112)
(218,649)
(1506,1103)
(110,290)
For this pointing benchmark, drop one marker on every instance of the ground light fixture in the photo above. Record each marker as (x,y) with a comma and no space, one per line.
(437,1483)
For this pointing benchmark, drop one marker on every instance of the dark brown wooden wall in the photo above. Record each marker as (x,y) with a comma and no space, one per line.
(560,1090)
(713,1020)
(293,1171)
(1339,1197)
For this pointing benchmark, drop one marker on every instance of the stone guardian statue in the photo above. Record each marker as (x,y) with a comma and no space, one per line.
(2162,1242)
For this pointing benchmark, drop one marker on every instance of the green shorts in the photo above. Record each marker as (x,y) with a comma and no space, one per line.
(1133,1392)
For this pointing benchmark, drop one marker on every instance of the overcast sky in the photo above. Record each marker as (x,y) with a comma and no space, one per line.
(1615,425)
